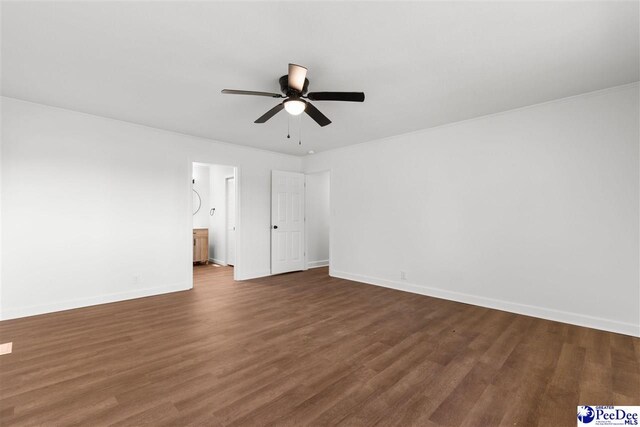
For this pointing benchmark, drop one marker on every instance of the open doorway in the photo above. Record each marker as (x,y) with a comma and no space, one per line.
(317,224)
(214,190)
(300,221)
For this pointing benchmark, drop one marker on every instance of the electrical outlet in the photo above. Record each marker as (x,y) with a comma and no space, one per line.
(403,275)
(136,279)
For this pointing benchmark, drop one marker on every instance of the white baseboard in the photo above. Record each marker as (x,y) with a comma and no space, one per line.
(316,264)
(217,261)
(254,275)
(512,307)
(33,310)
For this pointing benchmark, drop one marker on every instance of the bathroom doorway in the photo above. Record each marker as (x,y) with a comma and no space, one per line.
(214,190)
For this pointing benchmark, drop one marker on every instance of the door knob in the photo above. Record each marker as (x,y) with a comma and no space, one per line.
(275,227)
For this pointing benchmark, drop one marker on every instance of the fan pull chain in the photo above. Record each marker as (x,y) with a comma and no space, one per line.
(288,125)
(300,131)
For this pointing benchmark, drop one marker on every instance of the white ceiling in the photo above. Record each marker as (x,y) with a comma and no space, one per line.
(163,64)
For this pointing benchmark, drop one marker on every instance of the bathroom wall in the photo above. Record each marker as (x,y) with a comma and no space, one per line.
(217,221)
(201,185)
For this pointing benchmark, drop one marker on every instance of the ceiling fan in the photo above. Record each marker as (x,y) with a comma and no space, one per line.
(294,89)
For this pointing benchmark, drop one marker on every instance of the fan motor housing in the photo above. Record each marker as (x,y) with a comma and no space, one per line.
(286,90)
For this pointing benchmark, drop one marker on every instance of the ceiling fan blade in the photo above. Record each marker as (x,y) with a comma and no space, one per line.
(316,115)
(266,116)
(250,92)
(297,74)
(336,96)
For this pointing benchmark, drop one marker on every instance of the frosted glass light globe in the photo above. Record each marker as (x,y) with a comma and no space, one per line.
(294,106)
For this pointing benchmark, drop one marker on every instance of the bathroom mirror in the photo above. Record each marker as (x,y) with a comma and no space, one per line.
(197,202)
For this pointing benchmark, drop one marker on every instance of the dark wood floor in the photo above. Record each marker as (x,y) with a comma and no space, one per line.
(306,349)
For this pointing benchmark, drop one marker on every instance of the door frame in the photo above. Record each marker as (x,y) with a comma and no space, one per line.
(188,227)
(306,230)
(226,219)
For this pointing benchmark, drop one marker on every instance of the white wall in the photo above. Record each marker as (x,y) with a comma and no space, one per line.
(317,218)
(217,227)
(97,210)
(201,185)
(534,210)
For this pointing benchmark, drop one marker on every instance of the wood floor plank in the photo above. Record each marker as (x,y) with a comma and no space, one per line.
(305,349)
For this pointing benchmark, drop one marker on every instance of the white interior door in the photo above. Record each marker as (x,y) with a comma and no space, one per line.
(287,222)
(230,218)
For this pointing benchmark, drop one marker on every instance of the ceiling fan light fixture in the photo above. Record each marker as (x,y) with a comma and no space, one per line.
(294,87)
(294,107)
